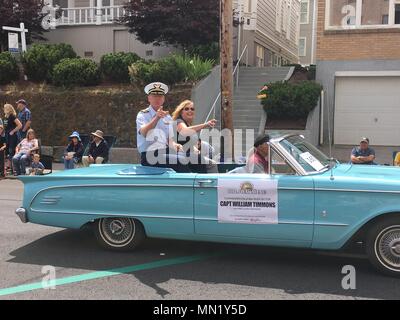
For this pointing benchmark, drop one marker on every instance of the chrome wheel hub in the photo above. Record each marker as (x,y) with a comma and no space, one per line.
(117,231)
(389,247)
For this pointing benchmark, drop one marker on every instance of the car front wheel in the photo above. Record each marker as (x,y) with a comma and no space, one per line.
(119,234)
(383,246)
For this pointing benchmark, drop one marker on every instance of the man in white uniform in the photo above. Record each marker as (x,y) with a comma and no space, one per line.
(153,126)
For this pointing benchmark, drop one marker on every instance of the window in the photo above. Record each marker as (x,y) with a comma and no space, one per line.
(397,14)
(302,47)
(260,56)
(278,22)
(362,14)
(279,165)
(372,12)
(304,11)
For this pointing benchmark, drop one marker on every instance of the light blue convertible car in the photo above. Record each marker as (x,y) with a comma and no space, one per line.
(307,201)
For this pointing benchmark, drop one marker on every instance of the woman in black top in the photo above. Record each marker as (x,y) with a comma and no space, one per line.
(73,152)
(12,127)
(188,137)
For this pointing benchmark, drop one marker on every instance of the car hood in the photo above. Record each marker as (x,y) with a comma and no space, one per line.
(360,177)
(369,171)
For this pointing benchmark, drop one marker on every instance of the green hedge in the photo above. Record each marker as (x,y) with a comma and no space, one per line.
(40,60)
(76,72)
(8,68)
(171,70)
(114,66)
(165,70)
(290,101)
(206,52)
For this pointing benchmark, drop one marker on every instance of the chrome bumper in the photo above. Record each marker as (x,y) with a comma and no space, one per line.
(21,213)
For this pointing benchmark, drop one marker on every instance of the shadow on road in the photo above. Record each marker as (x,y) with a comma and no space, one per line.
(293,271)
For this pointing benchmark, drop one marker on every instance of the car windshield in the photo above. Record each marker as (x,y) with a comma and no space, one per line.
(308,156)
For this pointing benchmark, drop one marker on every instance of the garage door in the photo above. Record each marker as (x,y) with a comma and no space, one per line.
(367,106)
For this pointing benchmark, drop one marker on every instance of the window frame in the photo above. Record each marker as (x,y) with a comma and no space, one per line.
(308,11)
(305,46)
(358,25)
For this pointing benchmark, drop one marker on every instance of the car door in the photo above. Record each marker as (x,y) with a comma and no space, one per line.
(294,206)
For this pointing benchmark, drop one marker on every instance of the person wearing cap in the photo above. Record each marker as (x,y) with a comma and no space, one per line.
(24,116)
(153,128)
(73,152)
(257,161)
(98,150)
(363,154)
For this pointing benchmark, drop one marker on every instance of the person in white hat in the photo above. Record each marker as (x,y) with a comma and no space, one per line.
(153,125)
(98,150)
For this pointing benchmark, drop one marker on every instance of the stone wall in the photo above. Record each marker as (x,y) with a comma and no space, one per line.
(56,113)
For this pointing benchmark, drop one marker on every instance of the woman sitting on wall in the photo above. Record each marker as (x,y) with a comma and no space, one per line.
(73,152)
(24,150)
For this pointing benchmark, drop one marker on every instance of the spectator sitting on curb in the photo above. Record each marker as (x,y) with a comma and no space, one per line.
(98,150)
(73,152)
(363,154)
(37,167)
(24,151)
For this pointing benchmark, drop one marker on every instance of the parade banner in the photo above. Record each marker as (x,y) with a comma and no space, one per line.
(13,45)
(248,202)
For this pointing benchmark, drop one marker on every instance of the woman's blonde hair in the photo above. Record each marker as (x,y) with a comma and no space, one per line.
(178,110)
(29,132)
(8,110)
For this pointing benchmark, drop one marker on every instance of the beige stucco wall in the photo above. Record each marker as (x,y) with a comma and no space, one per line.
(104,39)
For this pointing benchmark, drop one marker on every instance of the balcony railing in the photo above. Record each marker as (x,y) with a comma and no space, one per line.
(89,15)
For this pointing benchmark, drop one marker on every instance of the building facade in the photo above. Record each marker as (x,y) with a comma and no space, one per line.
(270,29)
(308,32)
(358,64)
(89,26)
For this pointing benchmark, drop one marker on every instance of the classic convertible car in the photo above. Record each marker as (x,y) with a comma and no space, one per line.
(307,201)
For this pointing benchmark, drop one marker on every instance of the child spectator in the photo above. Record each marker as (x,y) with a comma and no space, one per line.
(37,167)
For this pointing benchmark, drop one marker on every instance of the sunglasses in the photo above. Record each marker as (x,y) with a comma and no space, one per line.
(187,109)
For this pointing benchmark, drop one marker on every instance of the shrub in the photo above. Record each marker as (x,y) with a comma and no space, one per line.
(40,59)
(194,68)
(8,68)
(165,70)
(170,70)
(205,52)
(290,101)
(76,72)
(114,66)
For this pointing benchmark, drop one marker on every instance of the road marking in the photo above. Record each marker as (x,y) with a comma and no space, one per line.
(105,274)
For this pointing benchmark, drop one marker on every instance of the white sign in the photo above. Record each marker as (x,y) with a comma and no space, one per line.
(312,161)
(248,201)
(13,45)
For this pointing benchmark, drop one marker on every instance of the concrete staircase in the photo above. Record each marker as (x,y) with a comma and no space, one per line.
(247,108)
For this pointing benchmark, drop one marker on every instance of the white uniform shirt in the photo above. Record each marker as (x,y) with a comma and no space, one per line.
(156,138)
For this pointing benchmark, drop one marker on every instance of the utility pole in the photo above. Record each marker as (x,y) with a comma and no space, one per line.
(227,76)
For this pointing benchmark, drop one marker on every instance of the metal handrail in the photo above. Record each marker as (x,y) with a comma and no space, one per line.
(238,63)
(212,110)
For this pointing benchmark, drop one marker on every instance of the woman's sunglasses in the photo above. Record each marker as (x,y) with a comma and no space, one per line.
(187,109)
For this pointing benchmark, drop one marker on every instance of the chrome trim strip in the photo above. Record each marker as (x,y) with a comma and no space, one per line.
(105,185)
(321,224)
(112,214)
(364,191)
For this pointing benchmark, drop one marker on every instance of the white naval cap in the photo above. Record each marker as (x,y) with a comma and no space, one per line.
(156,88)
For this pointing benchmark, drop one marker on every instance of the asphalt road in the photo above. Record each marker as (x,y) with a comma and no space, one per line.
(158,272)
